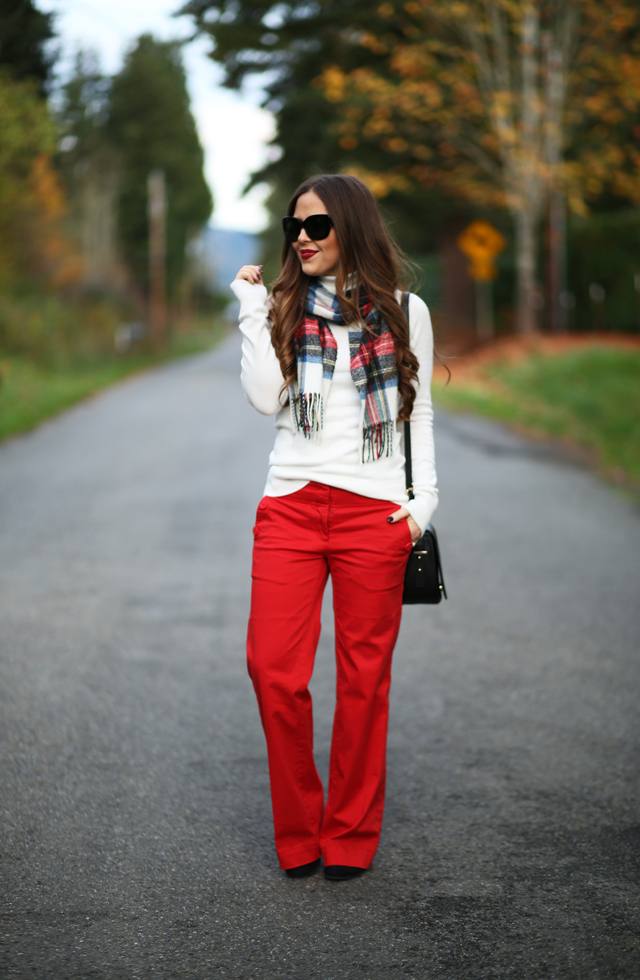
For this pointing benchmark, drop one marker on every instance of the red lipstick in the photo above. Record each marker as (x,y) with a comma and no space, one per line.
(307,253)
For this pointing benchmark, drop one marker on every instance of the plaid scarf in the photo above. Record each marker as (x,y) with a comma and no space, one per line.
(373,369)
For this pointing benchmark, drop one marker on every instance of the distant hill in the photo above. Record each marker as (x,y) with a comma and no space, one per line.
(225,251)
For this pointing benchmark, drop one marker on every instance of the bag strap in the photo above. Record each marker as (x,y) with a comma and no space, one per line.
(407,460)
(407,425)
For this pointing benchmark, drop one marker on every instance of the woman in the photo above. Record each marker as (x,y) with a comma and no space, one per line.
(329,354)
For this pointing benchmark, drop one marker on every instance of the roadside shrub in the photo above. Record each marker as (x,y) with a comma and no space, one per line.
(47,327)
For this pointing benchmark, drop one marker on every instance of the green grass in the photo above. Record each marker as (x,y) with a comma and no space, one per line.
(589,398)
(32,391)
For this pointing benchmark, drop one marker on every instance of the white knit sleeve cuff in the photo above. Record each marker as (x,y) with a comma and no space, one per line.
(422,509)
(250,294)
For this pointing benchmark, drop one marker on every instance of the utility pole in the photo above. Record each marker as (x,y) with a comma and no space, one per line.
(157,257)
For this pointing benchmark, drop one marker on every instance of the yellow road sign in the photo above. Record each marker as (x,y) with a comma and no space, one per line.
(481,243)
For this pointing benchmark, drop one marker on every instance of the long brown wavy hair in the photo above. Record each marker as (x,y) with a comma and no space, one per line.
(368,251)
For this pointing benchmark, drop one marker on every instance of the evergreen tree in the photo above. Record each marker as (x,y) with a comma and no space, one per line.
(289,46)
(82,108)
(90,166)
(24,36)
(151,126)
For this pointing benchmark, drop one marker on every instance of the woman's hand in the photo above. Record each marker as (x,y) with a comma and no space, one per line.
(252,273)
(403,514)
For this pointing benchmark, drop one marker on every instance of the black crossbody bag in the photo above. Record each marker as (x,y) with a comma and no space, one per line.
(423,578)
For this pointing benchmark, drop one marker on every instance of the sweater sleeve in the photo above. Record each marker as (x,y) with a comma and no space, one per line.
(422,447)
(261,376)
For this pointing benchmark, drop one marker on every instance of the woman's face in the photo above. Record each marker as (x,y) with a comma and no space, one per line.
(316,258)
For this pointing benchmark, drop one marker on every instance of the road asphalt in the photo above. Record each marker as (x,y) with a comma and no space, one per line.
(136,825)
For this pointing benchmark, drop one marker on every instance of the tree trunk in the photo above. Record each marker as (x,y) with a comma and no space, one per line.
(99,196)
(557,286)
(557,46)
(526,233)
(528,190)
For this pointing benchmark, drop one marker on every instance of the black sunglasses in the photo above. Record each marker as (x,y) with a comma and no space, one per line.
(317,227)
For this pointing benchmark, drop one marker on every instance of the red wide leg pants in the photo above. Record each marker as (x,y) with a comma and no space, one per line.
(299,540)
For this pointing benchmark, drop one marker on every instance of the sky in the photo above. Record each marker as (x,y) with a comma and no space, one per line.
(234,130)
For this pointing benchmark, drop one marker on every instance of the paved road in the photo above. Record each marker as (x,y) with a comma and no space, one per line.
(135,813)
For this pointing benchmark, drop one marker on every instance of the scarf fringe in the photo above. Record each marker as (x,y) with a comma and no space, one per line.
(377,441)
(308,413)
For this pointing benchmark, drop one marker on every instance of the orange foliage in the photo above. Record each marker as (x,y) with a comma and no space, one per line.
(449,101)
(59,261)
(33,244)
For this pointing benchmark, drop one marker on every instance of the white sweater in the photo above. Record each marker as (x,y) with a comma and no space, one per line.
(335,458)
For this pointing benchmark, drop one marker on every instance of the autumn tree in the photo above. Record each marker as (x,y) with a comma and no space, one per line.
(444,104)
(507,103)
(32,203)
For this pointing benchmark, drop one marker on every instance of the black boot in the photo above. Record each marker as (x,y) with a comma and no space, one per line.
(342,872)
(303,870)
